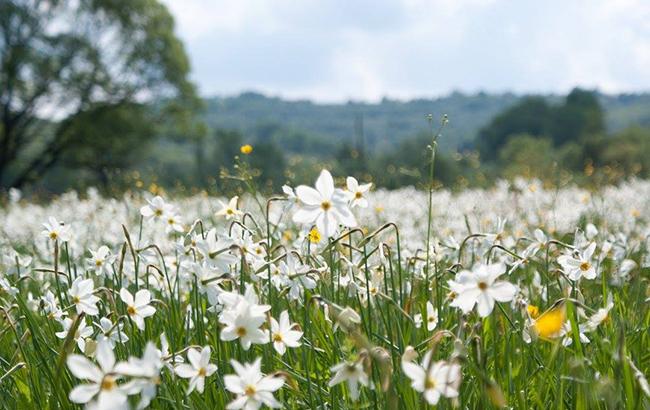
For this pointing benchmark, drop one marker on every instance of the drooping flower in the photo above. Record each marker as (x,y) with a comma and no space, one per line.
(353,374)
(252,388)
(198,369)
(325,206)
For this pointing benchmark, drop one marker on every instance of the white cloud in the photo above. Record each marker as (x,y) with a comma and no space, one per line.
(333,50)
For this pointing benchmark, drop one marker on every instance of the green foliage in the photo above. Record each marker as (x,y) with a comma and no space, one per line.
(73,57)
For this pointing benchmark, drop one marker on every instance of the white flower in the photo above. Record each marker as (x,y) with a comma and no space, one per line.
(480,287)
(356,192)
(100,260)
(198,369)
(325,206)
(579,265)
(103,380)
(283,335)
(432,317)
(433,379)
(243,322)
(229,210)
(56,230)
(147,373)
(173,223)
(156,208)
(601,315)
(138,309)
(353,374)
(80,334)
(252,388)
(111,333)
(82,296)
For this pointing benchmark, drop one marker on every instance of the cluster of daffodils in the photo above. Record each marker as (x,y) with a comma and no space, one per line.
(330,296)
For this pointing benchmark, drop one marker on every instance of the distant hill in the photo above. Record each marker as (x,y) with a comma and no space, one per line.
(389,121)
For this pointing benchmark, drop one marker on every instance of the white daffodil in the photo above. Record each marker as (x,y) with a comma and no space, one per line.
(82,296)
(243,322)
(480,287)
(579,265)
(432,317)
(252,388)
(57,231)
(138,308)
(146,373)
(230,209)
(80,335)
(353,374)
(325,206)
(100,260)
(434,380)
(156,208)
(102,380)
(283,333)
(173,223)
(356,193)
(111,333)
(197,370)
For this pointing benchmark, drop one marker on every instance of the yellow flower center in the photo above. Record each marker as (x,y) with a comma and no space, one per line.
(158,212)
(76,300)
(202,372)
(358,195)
(241,331)
(482,285)
(53,235)
(326,205)
(131,310)
(430,383)
(98,263)
(250,390)
(277,337)
(108,383)
(584,266)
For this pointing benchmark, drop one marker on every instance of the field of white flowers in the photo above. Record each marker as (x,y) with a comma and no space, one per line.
(333,296)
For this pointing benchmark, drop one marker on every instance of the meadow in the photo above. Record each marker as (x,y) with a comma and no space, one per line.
(331,296)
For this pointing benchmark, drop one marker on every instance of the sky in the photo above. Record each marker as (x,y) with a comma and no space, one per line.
(337,50)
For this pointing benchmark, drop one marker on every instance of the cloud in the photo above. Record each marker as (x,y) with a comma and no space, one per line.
(336,50)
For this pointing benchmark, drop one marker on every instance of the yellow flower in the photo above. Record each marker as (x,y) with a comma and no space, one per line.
(549,324)
(314,235)
(533,311)
(246,149)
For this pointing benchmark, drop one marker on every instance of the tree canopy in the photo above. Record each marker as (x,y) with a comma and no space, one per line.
(66,64)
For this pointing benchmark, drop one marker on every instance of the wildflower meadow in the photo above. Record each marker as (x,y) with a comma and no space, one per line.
(329,296)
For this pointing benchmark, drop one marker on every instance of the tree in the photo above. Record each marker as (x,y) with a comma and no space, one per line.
(530,116)
(63,60)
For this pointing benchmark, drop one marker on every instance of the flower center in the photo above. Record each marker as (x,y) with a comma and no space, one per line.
(76,300)
(108,383)
(326,205)
(482,285)
(53,235)
(158,212)
(241,331)
(584,266)
(430,383)
(131,310)
(202,372)
(98,263)
(277,337)
(230,211)
(358,195)
(250,390)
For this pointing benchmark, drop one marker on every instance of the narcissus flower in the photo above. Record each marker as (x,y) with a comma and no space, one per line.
(198,369)
(353,374)
(138,308)
(252,388)
(434,380)
(283,333)
(480,287)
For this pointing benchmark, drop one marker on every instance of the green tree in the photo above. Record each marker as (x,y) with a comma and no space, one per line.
(62,61)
